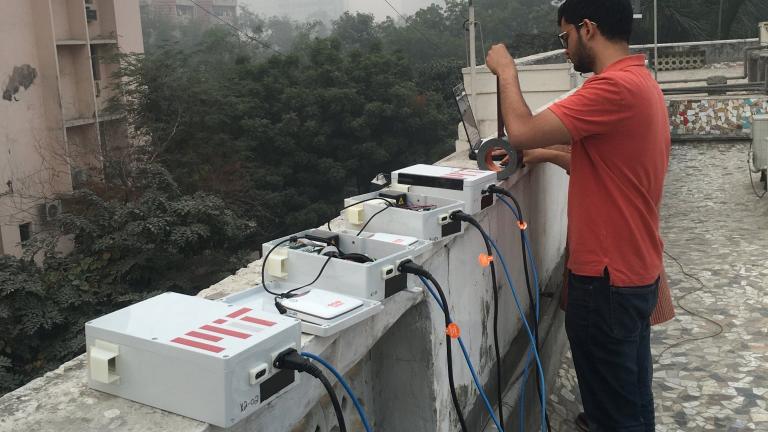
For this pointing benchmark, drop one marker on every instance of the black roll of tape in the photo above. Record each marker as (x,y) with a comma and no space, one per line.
(485,158)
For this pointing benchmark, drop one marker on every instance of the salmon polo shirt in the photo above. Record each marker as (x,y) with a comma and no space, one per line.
(620,148)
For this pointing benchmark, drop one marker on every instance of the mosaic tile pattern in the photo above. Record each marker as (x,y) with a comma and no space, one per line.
(725,117)
(718,229)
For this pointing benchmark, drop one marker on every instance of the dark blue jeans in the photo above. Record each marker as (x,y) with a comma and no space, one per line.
(609,332)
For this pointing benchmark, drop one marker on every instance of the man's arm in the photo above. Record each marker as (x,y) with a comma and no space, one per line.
(524,130)
(555,156)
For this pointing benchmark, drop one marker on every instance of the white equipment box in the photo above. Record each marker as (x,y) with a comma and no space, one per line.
(322,313)
(421,216)
(294,264)
(465,185)
(203,359)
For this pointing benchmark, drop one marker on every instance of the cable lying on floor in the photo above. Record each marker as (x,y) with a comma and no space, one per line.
(702,287)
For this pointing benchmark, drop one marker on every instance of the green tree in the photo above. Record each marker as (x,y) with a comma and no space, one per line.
(685,21)
(147,239)
(285,139)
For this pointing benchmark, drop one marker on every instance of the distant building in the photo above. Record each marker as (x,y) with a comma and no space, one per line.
(301,10)
(55,88)
(226,10)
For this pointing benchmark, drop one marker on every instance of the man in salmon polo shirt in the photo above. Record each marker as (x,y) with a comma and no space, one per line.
(618,128)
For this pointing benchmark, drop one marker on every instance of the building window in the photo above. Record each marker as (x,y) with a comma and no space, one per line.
(185,11)
(224,11)
(25,231)
(95,63)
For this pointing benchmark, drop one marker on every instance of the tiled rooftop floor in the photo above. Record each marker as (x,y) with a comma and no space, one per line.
(713,223)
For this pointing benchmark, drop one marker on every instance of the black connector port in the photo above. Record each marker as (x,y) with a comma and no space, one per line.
(459,215)
(493,189)
(320,236)
(290,359)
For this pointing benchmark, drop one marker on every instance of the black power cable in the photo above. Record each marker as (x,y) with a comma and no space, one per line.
(371,218)
(263,44)
(291,360)
(292,239)
(289,293)
(409,267)
(354,257)
(702,286)
(495,288)
(751,179)
(522,225)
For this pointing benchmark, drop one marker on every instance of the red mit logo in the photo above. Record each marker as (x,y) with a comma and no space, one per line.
(337,303)
(217,333)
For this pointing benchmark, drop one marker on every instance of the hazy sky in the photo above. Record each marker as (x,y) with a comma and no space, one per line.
(381,10)
(377,7)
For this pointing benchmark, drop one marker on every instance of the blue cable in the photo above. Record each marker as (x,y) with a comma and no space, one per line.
(524,382)
(345,385)
(532,261)
(475,378)
(527,330)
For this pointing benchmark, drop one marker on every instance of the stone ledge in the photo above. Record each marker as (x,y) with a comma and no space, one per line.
(61,401)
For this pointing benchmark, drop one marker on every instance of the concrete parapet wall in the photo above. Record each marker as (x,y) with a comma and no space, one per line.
(713,51)
(395,361)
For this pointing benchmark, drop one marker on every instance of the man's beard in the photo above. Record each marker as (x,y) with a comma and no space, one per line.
(583,59)
(583,64)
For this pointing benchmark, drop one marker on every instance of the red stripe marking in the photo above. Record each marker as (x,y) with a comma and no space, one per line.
(224,331)
(237,313)
(200,345)
(258,321)
(220,321)
(205,336)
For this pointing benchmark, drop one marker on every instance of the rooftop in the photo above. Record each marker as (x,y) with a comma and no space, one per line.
(715,227)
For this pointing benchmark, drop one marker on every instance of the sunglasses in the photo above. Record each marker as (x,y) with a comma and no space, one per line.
(564,35)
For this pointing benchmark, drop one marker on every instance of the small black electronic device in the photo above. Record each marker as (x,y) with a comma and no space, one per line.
(399,198)
(321,236)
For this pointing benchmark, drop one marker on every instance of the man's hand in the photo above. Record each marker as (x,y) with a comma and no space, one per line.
(543,155)
(501,152)
(534,156)
(499,61)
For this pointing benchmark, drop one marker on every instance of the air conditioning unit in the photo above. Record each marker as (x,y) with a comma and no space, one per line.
(760,143)
(50,210)
(90,14)
(763,26)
